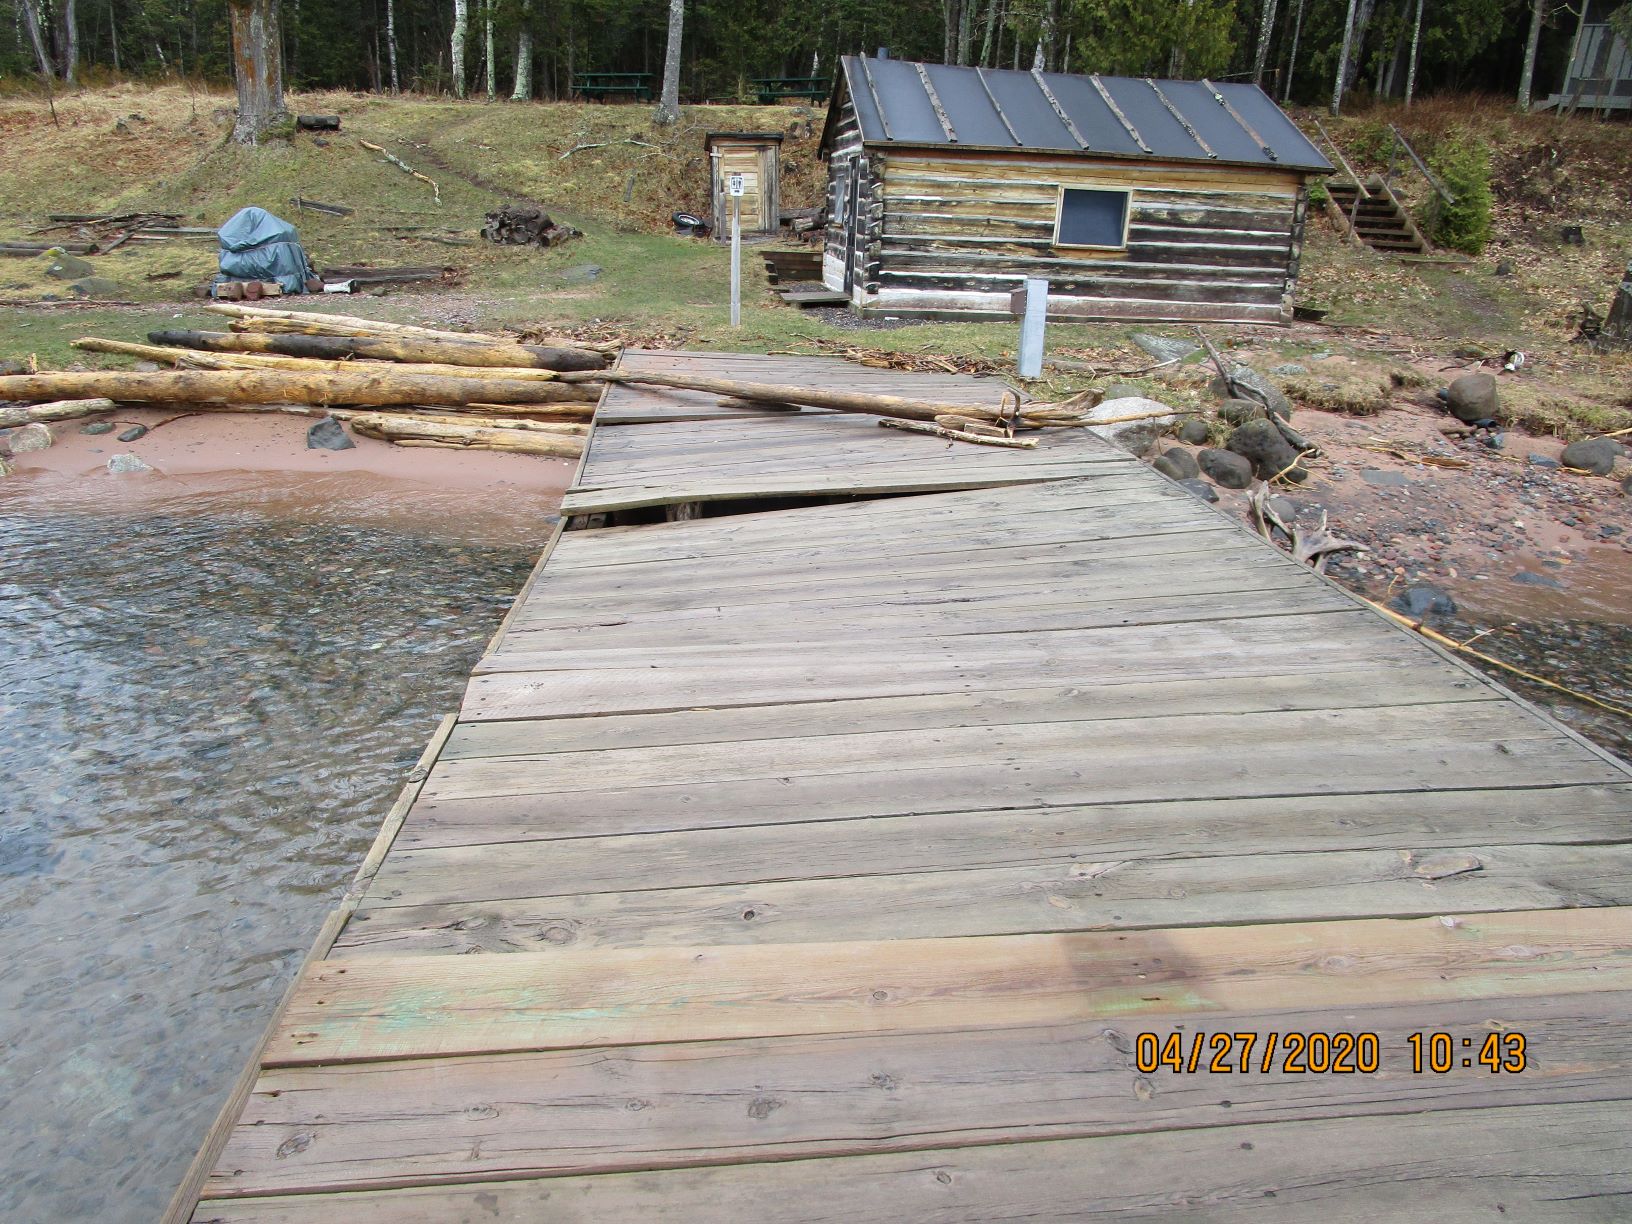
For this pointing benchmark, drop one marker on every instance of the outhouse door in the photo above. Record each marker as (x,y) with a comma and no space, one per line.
(750,163)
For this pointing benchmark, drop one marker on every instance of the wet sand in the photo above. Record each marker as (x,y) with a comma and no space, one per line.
(200,448)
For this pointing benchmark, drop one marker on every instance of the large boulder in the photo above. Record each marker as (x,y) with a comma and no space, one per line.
(1472,397)
(1164,348)
(1246,376)
(1240,411)
(1225,468)
(1595,455)
(69,267)
(1269,451)
(1136,437)
(1182,462)
(1194,431)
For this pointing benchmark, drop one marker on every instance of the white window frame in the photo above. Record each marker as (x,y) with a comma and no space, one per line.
(1059,215)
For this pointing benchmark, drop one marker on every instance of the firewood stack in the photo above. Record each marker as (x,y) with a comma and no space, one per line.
(522,225)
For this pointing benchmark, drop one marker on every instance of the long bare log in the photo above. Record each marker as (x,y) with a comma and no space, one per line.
(62,410)
(1070,412)
(417,431)
(193,359)
(378,386)
(354,325)
(386,348)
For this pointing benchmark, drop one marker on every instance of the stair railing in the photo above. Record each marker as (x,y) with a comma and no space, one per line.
(1360,192)
(1400,142)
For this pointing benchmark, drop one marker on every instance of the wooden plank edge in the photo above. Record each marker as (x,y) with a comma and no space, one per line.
(186,1197)
(520,600)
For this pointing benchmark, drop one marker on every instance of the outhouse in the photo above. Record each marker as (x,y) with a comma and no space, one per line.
(1135,198)
(754,155)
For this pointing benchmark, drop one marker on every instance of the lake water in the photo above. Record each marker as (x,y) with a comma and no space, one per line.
(210,700)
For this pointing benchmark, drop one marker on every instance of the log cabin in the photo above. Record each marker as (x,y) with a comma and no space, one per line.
(1135,198)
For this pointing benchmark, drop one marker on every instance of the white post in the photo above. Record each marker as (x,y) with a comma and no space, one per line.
(1030,363)
(736,261)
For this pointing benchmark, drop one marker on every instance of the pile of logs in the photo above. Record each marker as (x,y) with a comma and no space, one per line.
(522,225)
(413,386)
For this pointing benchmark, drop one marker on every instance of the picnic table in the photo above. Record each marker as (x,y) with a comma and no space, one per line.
(772,88)
(605,84)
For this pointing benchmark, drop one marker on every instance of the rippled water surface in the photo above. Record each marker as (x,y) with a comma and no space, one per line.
(209,702)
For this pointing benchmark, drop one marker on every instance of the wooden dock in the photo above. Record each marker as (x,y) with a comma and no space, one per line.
(834,861)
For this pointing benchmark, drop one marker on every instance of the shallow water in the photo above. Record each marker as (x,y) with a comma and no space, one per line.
(209,702)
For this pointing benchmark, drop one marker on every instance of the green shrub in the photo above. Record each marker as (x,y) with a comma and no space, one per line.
(1462,162)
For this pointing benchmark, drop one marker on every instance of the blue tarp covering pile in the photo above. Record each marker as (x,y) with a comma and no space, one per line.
(257,246)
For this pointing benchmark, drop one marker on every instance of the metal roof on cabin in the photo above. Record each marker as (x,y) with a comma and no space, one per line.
(907,103)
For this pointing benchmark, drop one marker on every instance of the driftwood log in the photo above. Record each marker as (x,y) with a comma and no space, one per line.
(419,431)
(193,359)
(256,317)
(61,410)
(386,348)
(380,386)
(1071,412)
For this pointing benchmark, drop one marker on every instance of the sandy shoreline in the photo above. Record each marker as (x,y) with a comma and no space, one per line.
(259,463)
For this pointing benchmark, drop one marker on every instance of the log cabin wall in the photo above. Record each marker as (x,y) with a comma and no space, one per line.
(961,230)
(844,157)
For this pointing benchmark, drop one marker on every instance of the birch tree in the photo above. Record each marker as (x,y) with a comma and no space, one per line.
(1266,27)
(524,55)
(391,42)
(1527,76)
(1292,55)
(492,74)
(1411,72)
(668,106)
(1342,77)
(257,63)
(31,21)
(67,41)
(461,19)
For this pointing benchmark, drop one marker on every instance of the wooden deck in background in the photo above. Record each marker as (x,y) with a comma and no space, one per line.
(826,863)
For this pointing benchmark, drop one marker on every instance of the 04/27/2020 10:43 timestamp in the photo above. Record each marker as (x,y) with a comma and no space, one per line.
(1317,1053)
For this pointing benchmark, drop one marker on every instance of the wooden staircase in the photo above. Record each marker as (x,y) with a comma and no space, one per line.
(1381,222)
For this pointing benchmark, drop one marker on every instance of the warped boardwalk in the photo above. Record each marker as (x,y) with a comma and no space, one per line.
(855,861)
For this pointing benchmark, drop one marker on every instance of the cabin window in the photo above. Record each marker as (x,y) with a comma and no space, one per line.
(1091,217)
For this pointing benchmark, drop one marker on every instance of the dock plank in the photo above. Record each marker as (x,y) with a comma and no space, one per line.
(1353,1170)
(683,1105)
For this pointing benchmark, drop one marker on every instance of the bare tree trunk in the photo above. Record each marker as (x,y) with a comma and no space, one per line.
(1527,77)
(949,26)
(524,55)
(668,106)
(391,42)
(461,19)
(492,71)
(31,19)
(1266,27)
(1342,74)
(991,29)
(67,41)
(966,29)
(1411,72)
(1292,57)
(257,60)
(1044,60)
(113,33)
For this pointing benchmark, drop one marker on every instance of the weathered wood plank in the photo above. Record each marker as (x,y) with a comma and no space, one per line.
(1339,1170)
(675,1106)
(1082,896)
(361,1008)
(1367,686)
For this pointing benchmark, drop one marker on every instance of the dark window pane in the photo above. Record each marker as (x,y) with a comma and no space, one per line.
(1092,218)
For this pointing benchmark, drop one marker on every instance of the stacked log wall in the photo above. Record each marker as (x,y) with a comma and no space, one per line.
(960,231)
